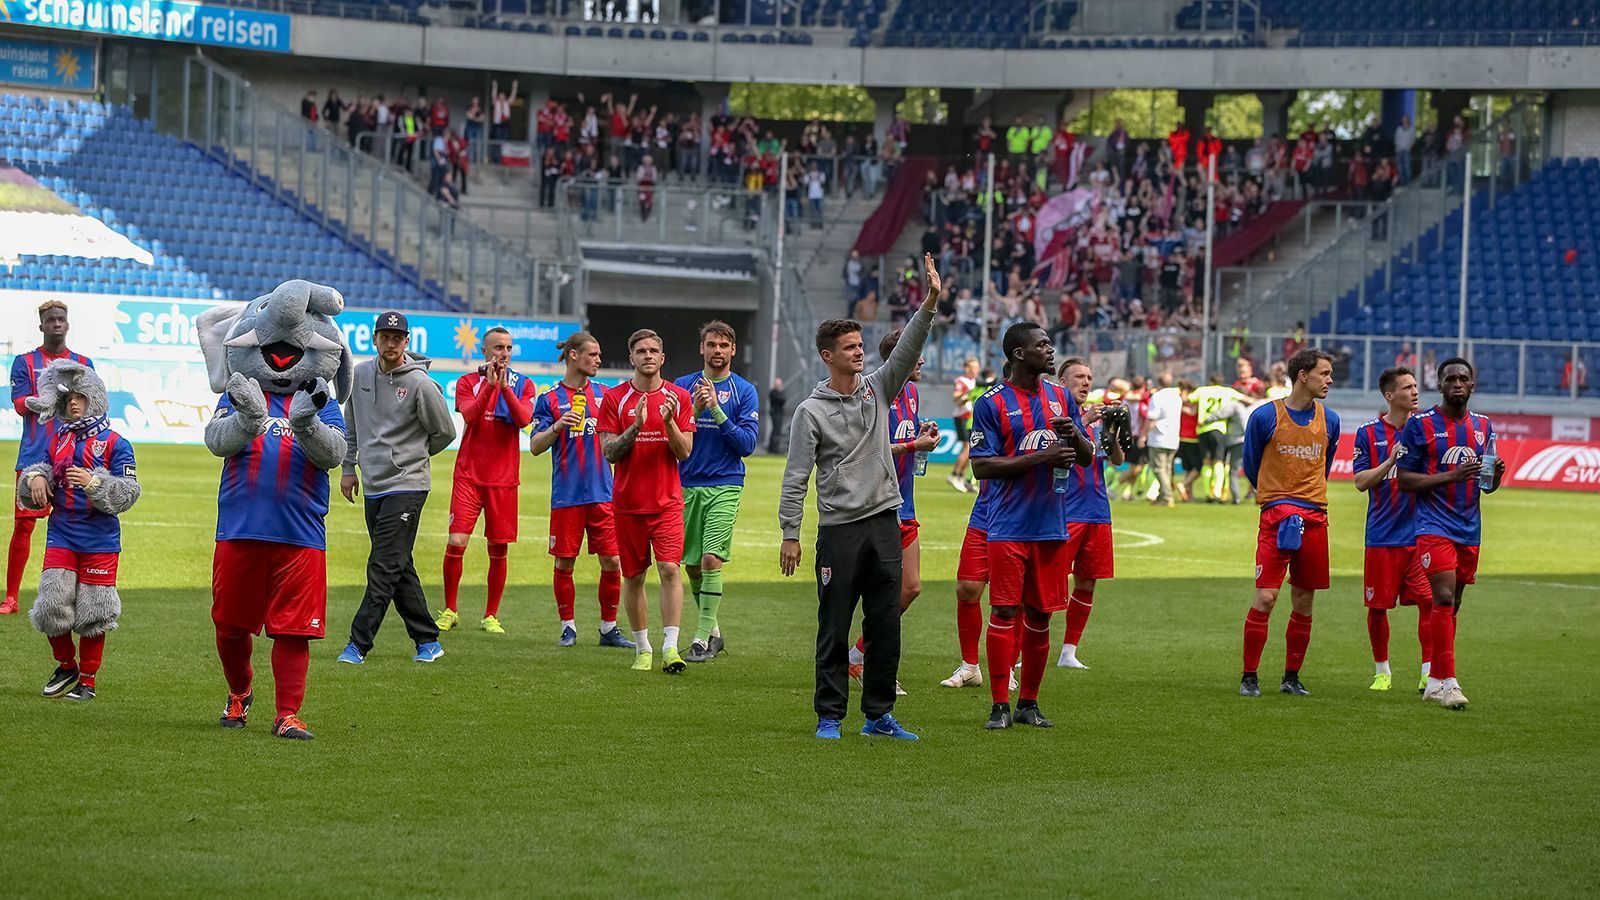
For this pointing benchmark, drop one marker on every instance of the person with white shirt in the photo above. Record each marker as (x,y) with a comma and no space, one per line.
(1161,434)
(815,179)
(1405,137)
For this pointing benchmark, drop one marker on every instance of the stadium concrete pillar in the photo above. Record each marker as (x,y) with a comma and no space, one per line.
(1449,104)
(1397,104)
(1195,105)
(1275,111)
(884,101)
(537,93)
(1005,106)
(713,103)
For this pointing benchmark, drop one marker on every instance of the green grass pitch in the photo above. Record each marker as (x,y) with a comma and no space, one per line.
(514,767)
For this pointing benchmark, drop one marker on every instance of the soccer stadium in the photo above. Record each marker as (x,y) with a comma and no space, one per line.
(839,383)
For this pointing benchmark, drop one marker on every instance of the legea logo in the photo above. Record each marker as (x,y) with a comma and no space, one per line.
(1568,463)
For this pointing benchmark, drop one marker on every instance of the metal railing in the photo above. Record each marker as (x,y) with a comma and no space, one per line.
(626,212)
(1398,232)
(1141,18)
(1439,38)
(1504,367)
(371,205)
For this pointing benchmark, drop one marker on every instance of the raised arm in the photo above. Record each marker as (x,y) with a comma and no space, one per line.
(240,420)
(616,445)
(309,420)
(892,375)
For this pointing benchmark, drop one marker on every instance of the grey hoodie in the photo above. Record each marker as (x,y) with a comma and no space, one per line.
(846,437)
(394,421)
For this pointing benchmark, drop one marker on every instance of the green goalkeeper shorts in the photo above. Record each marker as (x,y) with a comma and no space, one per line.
(709,514)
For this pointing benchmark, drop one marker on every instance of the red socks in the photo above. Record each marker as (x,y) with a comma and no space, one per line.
(291,657)
(1255,637)
(497,578)
(1378,634)
(1296,639)
(1078,615)
(1035,650)
(1001,644)
(1425,629)
(1442,622)
(610,595)
(17,556)
(233,648)
(61,647)
(566,594)
(969,627)
(452,574)
(90,649)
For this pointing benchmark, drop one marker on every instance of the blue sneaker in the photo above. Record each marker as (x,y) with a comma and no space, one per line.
(828,729)
(886,726)
(614,638)
(428,651)
(569,636)
(352,655)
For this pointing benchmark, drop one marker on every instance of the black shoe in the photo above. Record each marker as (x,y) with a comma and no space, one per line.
(61,681)
(1028,714)
(1291,685)
(717,646)
(699,653)
(1249,686)
(236,712)
(999,717)
(81,692)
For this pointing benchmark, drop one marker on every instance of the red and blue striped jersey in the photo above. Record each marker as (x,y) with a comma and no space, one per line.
(903,427)
(579,473)
(75,524)
(25,372)
(1437,443)
(1087,500)
(1010,421)
(979,519)
(272,491)
(1391,513)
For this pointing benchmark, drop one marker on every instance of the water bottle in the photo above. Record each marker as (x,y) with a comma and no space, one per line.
(1486,474)
(921,465)
(1061,476)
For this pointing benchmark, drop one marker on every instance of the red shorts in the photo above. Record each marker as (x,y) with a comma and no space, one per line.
(1089,550)
(641,535)
(1031,573)
(1308,566)
(92,568)
(264,584)
(1440,554)
(908,532)
(1394,573)
(974,562)
(569,525)
(498,505)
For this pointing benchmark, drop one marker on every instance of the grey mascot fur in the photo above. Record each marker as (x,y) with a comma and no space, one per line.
(298,318)
(63,604)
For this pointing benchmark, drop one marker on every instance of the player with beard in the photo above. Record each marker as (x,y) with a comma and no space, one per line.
(1089,546)
(1026,437)
(1443,466)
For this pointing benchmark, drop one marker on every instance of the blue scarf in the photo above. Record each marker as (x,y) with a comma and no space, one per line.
(71,437)
(502,409)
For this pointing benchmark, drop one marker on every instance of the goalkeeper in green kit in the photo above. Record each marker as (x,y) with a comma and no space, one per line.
(727,422)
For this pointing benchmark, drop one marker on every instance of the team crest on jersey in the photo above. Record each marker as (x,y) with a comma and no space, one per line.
(724,396)
(912,402)
(97,448)
(1055,407)
(400,393)
(827,574)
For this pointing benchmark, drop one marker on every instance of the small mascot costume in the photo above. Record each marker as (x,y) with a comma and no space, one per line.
(278,431)
(88,480)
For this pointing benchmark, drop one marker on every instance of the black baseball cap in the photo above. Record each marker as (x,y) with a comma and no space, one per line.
(393,320)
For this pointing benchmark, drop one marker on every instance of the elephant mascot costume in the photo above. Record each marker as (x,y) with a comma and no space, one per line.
(88,480)
(278,361)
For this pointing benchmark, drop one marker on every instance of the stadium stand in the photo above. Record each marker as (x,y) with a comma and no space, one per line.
(211,232)
(1533,262)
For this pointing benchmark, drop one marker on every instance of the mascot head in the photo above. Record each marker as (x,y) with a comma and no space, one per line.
(60,380)
(280,341)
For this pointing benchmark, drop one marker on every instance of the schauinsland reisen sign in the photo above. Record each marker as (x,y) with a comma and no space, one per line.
(167,20)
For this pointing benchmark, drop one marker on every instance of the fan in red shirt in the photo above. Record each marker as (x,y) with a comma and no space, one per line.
(647,496)
(495,403)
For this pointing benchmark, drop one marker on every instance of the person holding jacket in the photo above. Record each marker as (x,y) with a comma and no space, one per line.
(842,431)
(396,419)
